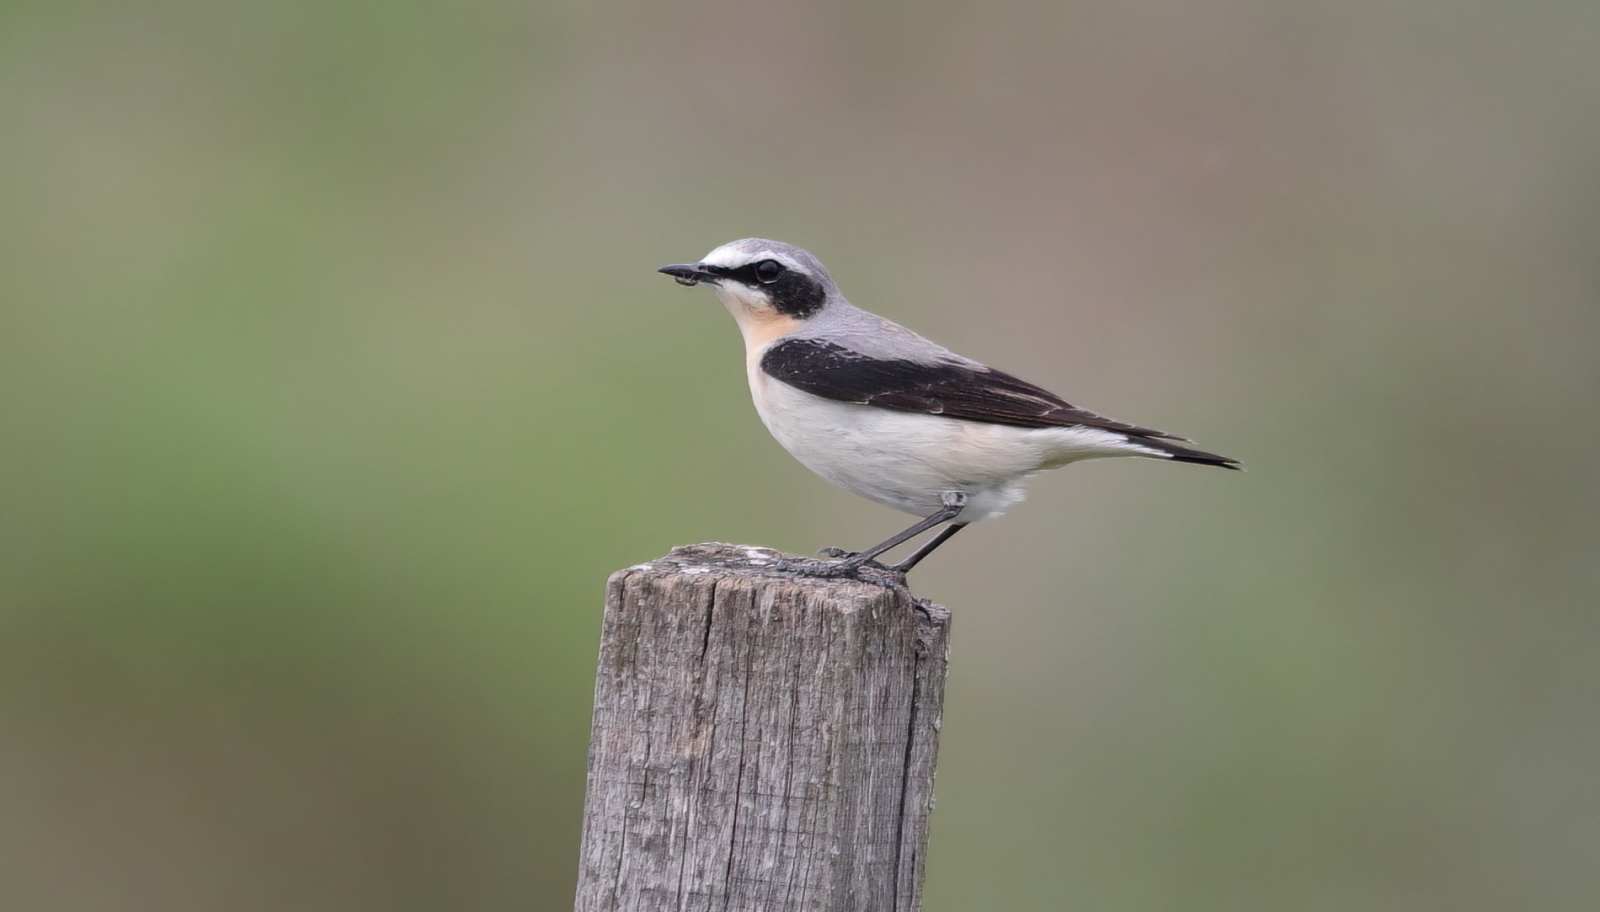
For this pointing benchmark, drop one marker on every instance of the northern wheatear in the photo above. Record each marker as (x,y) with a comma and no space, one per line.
(878,410)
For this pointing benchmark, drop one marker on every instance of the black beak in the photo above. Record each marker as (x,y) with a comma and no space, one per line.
(691,273)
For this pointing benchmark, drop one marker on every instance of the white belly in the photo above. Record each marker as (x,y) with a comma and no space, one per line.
(906,460)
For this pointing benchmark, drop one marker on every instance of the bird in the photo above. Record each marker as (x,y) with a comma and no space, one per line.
(886,414)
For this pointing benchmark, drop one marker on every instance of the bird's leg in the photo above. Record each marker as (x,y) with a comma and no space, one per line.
(954,502)
(927,549)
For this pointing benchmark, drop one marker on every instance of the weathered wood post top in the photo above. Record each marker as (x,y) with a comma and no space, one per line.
(762,740)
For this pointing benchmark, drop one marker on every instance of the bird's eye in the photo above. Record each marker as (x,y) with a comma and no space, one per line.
(767,271)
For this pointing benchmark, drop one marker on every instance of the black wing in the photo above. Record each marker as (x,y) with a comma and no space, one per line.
(983,394)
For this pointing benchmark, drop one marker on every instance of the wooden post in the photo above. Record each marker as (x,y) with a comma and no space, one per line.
(762,742)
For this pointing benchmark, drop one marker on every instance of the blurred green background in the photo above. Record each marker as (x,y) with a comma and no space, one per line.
(335,377)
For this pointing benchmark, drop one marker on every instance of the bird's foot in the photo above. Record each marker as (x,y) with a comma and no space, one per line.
(822,569)
(867,571)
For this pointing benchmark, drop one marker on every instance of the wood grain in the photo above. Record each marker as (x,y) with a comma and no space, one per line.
(761,741)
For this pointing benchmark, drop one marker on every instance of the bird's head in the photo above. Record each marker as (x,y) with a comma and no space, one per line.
(770,287)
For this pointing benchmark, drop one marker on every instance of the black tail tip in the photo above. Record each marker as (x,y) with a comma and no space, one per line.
(1178,453)
(1221,462)
(1170,448)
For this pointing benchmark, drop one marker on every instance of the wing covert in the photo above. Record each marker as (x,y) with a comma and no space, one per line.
(971,393)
